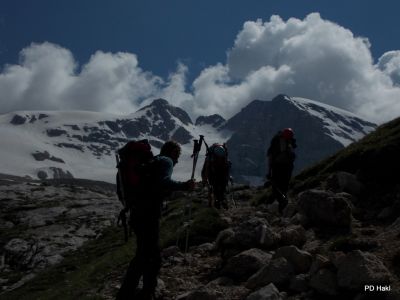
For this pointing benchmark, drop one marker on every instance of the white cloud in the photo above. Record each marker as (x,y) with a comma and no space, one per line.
(46,79)
(389,64)
(312,58)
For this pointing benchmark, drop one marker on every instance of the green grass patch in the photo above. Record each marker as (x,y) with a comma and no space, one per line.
(81,271)
(263,197)
(204,227)
(375,158)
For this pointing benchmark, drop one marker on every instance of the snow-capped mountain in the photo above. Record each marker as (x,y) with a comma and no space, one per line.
(320,130)
(81,144)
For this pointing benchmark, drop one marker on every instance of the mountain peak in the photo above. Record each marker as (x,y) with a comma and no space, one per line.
(160,102)
(213,120)
(162,107)
(281,97)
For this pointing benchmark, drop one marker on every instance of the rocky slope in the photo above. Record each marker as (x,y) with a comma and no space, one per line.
(42,221)
(311,252)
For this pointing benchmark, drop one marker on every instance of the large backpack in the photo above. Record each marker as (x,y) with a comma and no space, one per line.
(281,150)
(134,162)
(219,165)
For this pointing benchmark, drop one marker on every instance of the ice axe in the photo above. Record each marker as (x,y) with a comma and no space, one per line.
(122,215)
(196,151)
(195,155)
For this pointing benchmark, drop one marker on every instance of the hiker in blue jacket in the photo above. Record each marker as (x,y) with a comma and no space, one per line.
(145,222)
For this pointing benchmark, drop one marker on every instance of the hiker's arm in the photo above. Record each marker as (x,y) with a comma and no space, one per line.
(166,168)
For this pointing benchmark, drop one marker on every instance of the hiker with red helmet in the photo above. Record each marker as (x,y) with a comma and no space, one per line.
(281,158)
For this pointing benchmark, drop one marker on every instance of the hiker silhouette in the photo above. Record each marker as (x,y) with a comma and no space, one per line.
(281,157)
(215,174)
(145,222)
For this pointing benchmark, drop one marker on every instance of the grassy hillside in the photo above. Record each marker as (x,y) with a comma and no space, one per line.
(375,159)
(83,273)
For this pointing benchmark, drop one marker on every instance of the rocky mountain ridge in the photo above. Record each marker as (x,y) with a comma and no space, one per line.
(74,144)
(320,130)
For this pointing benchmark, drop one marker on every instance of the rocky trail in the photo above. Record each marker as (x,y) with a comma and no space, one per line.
(318,249)
(262,255)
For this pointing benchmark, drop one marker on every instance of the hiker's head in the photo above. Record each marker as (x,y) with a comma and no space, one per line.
(171,149)
(287,133)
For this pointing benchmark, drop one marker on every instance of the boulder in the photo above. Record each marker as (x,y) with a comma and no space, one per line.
(253,233)
(18,120)
(278,271)
(224,238)
(299,283)
(248,234)
(203,249)
(344,182)
(201,293)
(269,292)
(318,263)
(171,251)
(300,260)
(268,237)
(324,282)
(294,235)
(358,268)
(323,208)
(245,264)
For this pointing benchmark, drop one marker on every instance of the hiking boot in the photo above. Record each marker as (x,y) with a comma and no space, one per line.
(225,205)
(145,295)
(282,205)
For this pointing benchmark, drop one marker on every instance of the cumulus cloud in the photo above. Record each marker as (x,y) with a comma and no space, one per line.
(312,58)
(47,79)
(389,64)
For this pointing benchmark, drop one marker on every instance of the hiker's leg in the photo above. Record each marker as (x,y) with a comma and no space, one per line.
(279,187)
(221,194)
(211,200)
(153,259)
(216,198)
(285,175)
(135,269)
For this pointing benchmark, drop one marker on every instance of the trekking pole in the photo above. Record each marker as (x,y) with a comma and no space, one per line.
(231,192)
(196,151)
(122,214)
(195,155)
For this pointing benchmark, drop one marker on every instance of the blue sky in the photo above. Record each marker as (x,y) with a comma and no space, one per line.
(183,38)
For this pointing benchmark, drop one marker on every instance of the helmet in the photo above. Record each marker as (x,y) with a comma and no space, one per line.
(287,133)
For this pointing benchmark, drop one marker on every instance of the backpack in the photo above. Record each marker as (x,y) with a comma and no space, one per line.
(281,150)
(134,162)
(219,165)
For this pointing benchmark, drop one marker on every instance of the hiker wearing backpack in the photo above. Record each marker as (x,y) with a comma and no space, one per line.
(281,158)
(145,220)
(215,174)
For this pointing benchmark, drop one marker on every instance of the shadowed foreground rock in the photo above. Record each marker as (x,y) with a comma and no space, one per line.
(324,208)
